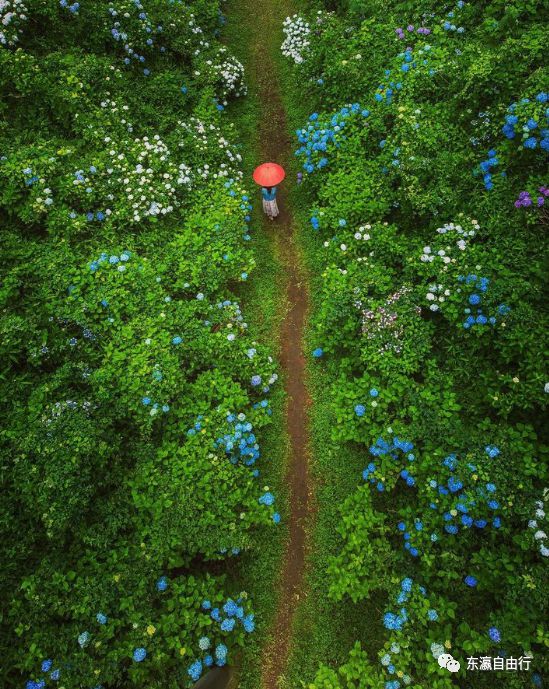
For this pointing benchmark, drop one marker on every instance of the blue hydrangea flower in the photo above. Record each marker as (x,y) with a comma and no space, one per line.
(248,623)
(101,618)
(162,585)
(470,581)
(228,625)
(139,655)
(267,499)
(221,651)
(230,608)
(195,670)
(494,634)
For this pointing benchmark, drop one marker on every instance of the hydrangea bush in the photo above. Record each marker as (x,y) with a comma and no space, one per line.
(134,395)
(424,161)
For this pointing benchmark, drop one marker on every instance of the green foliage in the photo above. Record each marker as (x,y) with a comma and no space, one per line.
(431,318)
(129,379)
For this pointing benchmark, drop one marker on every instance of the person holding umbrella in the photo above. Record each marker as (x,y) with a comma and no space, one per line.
(268,176)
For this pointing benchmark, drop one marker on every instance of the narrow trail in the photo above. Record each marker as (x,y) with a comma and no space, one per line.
(261,23)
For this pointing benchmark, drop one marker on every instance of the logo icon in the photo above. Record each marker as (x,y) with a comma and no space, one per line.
(449,662)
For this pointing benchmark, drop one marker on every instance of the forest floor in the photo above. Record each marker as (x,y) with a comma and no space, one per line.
(254,33)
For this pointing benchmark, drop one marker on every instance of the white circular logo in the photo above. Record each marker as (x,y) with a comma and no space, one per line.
(449,662)
(444,659)
(453,665)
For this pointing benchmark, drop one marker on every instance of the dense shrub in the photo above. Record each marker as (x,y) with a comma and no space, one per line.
(132,394)
(425,162)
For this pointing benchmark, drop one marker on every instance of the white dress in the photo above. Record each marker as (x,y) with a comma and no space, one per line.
(270,206)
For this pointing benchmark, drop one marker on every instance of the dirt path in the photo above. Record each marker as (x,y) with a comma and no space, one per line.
(261,23)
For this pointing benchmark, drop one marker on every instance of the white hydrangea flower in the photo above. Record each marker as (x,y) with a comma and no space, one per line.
(296,43)
(12,15)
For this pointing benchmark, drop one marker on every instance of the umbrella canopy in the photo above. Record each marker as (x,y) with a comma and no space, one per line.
(269,174)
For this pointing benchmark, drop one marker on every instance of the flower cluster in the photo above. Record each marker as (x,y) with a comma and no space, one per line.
(385,93)
(383,324)
(202,137)
(268,499)
(12,16)
(442,254)
(448,23)
(396,621)
(228,617)
(320,135)
(140,173)
(540,535)
(393,450)
(73,8)
(234,320)
(459,505)
(360,409)
(132,13)
(413,595)
(297,32)
(525,200)
(485,167)
(422,30)
(114,261)
(521,117)
(45,667)
(478,287)
(240,444)
(59,408)
(406,61)
(42,196)
(230,73)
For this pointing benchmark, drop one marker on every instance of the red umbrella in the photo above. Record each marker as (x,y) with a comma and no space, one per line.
(269,174)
